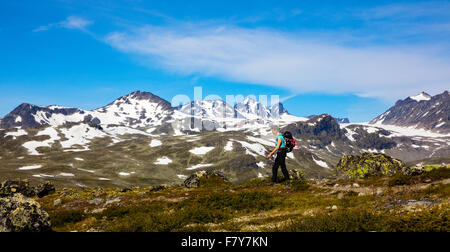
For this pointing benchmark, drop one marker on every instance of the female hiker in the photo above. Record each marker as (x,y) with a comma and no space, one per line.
(280,160)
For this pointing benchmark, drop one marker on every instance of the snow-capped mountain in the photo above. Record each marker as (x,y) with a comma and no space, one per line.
(251,109)
(146,111)
(138,109)
(421,111)
(211,109)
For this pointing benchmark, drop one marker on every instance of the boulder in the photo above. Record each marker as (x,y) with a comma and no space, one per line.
(413,171)
(158,188)
(11,187)
(21,214)
(368,164)
(44,189)
(193,181)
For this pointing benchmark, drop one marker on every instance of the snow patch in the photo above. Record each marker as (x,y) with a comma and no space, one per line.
(19,132)
(163,161)
(90,171)
(63,174)
(31,167)
(320,163)
(229,146)
(198,166)
(43,176)
(201,150)
(253,149)
(155,143)
(421,97)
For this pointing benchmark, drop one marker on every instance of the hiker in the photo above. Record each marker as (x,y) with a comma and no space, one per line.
(280,160)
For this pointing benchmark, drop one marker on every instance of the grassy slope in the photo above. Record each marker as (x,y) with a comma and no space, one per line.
(377,204)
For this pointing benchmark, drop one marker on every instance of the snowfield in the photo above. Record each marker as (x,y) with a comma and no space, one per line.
(405,131)
(80,135)
(33,145)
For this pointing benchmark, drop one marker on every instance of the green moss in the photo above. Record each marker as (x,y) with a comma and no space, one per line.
(65,217)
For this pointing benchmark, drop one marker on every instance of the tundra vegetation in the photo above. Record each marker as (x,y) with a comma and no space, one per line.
(379,203)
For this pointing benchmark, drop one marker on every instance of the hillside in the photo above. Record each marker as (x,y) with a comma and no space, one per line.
(398,203)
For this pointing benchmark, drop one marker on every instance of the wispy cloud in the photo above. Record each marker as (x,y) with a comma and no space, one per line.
(72,22)
(295,62)
(409,11)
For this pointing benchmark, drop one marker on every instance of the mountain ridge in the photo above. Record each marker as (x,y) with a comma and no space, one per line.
(421,111)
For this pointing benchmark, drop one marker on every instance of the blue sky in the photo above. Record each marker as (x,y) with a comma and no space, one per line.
(347,58)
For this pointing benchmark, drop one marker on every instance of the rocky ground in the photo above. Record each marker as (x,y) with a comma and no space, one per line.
(409,199)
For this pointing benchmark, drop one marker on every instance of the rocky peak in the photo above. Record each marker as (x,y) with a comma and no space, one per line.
(278,109)
(323,128)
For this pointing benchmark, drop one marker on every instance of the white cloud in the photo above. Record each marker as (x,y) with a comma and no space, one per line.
(72,22)
(301,64)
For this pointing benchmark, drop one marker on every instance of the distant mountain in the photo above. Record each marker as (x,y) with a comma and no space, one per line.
(251,109)
(146,110)
(138,109)
(212,109)
(422,111)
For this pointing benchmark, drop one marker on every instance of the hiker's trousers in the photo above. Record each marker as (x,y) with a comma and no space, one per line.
(280,160)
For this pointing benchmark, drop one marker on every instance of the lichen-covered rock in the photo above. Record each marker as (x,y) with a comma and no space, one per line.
(44,189)
(158,188)
(368,164)
(296,174)
(194,180)
(413,171)
(11,187)
(21,214)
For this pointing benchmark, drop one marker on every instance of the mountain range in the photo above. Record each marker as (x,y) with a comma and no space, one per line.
(140,139)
